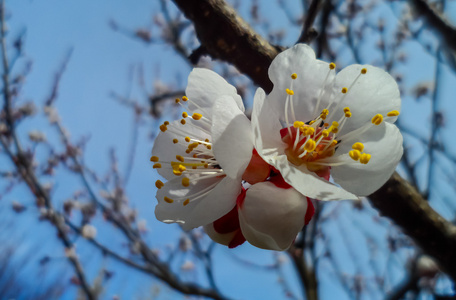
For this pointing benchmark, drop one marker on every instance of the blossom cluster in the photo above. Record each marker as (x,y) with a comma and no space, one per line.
(319,135)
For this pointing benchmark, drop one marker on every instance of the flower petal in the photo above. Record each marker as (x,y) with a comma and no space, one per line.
(265,126)
(311,75)
(375,92)
(271,217)
(384,143)
(307,183)
(205,86)
(166,150)
(215,204)
(231,137)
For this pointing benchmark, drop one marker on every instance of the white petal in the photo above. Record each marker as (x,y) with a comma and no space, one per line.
(271,217)
(231,137)
(205,86)
(311,73)
(265,126)
(218,202)
(166,150)
(221,238)
(375,92)
(309,184)
(384,143)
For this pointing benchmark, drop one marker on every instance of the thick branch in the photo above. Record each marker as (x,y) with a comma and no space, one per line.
(436,21)
(227,37)
(399,201)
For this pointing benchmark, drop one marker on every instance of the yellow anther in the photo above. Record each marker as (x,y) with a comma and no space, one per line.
(182,168)
(195,155)
(310,130)
(323,117)
(393,113)
(298,124)
(311,122)
(184,98)
(289,92)
(187,201)
(154,158)
(326,124)
(194,167)
(185,181)
(377,119)
(206,140)
(180,158)
(193,145)
(187,139)
(197,116)
(335,130)
(183,122)
(335,124)
(159,184)
(333,143)
(163,127)
(177,172)
(358,146)
(166,123)
(310,145)
(363,71)
(184,114)
(209,147)
(355,154)
(206,166)
(177,100)
(188,151)
(344,90)
(332,66)
(169,200)
(157,166)
(346,109)
(325,112)
(365,158)
(348,114)
(325,133)
(294,76)
(175,141)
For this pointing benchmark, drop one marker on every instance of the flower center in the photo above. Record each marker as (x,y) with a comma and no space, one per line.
(315,142)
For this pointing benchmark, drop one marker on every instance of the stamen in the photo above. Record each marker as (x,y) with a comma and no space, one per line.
(159,184)
(355,154)
(184,115)
(154,158)
(169,200)
(377,119)
(185,181)
(364,159)
(163,128)
(358,146)
(184,98)
(187,201)
(183,122)
(393,113)
(197,116)
(157,166)
(175,141)
(180,158)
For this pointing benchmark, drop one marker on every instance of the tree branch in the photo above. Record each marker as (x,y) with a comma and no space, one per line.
(228,37)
